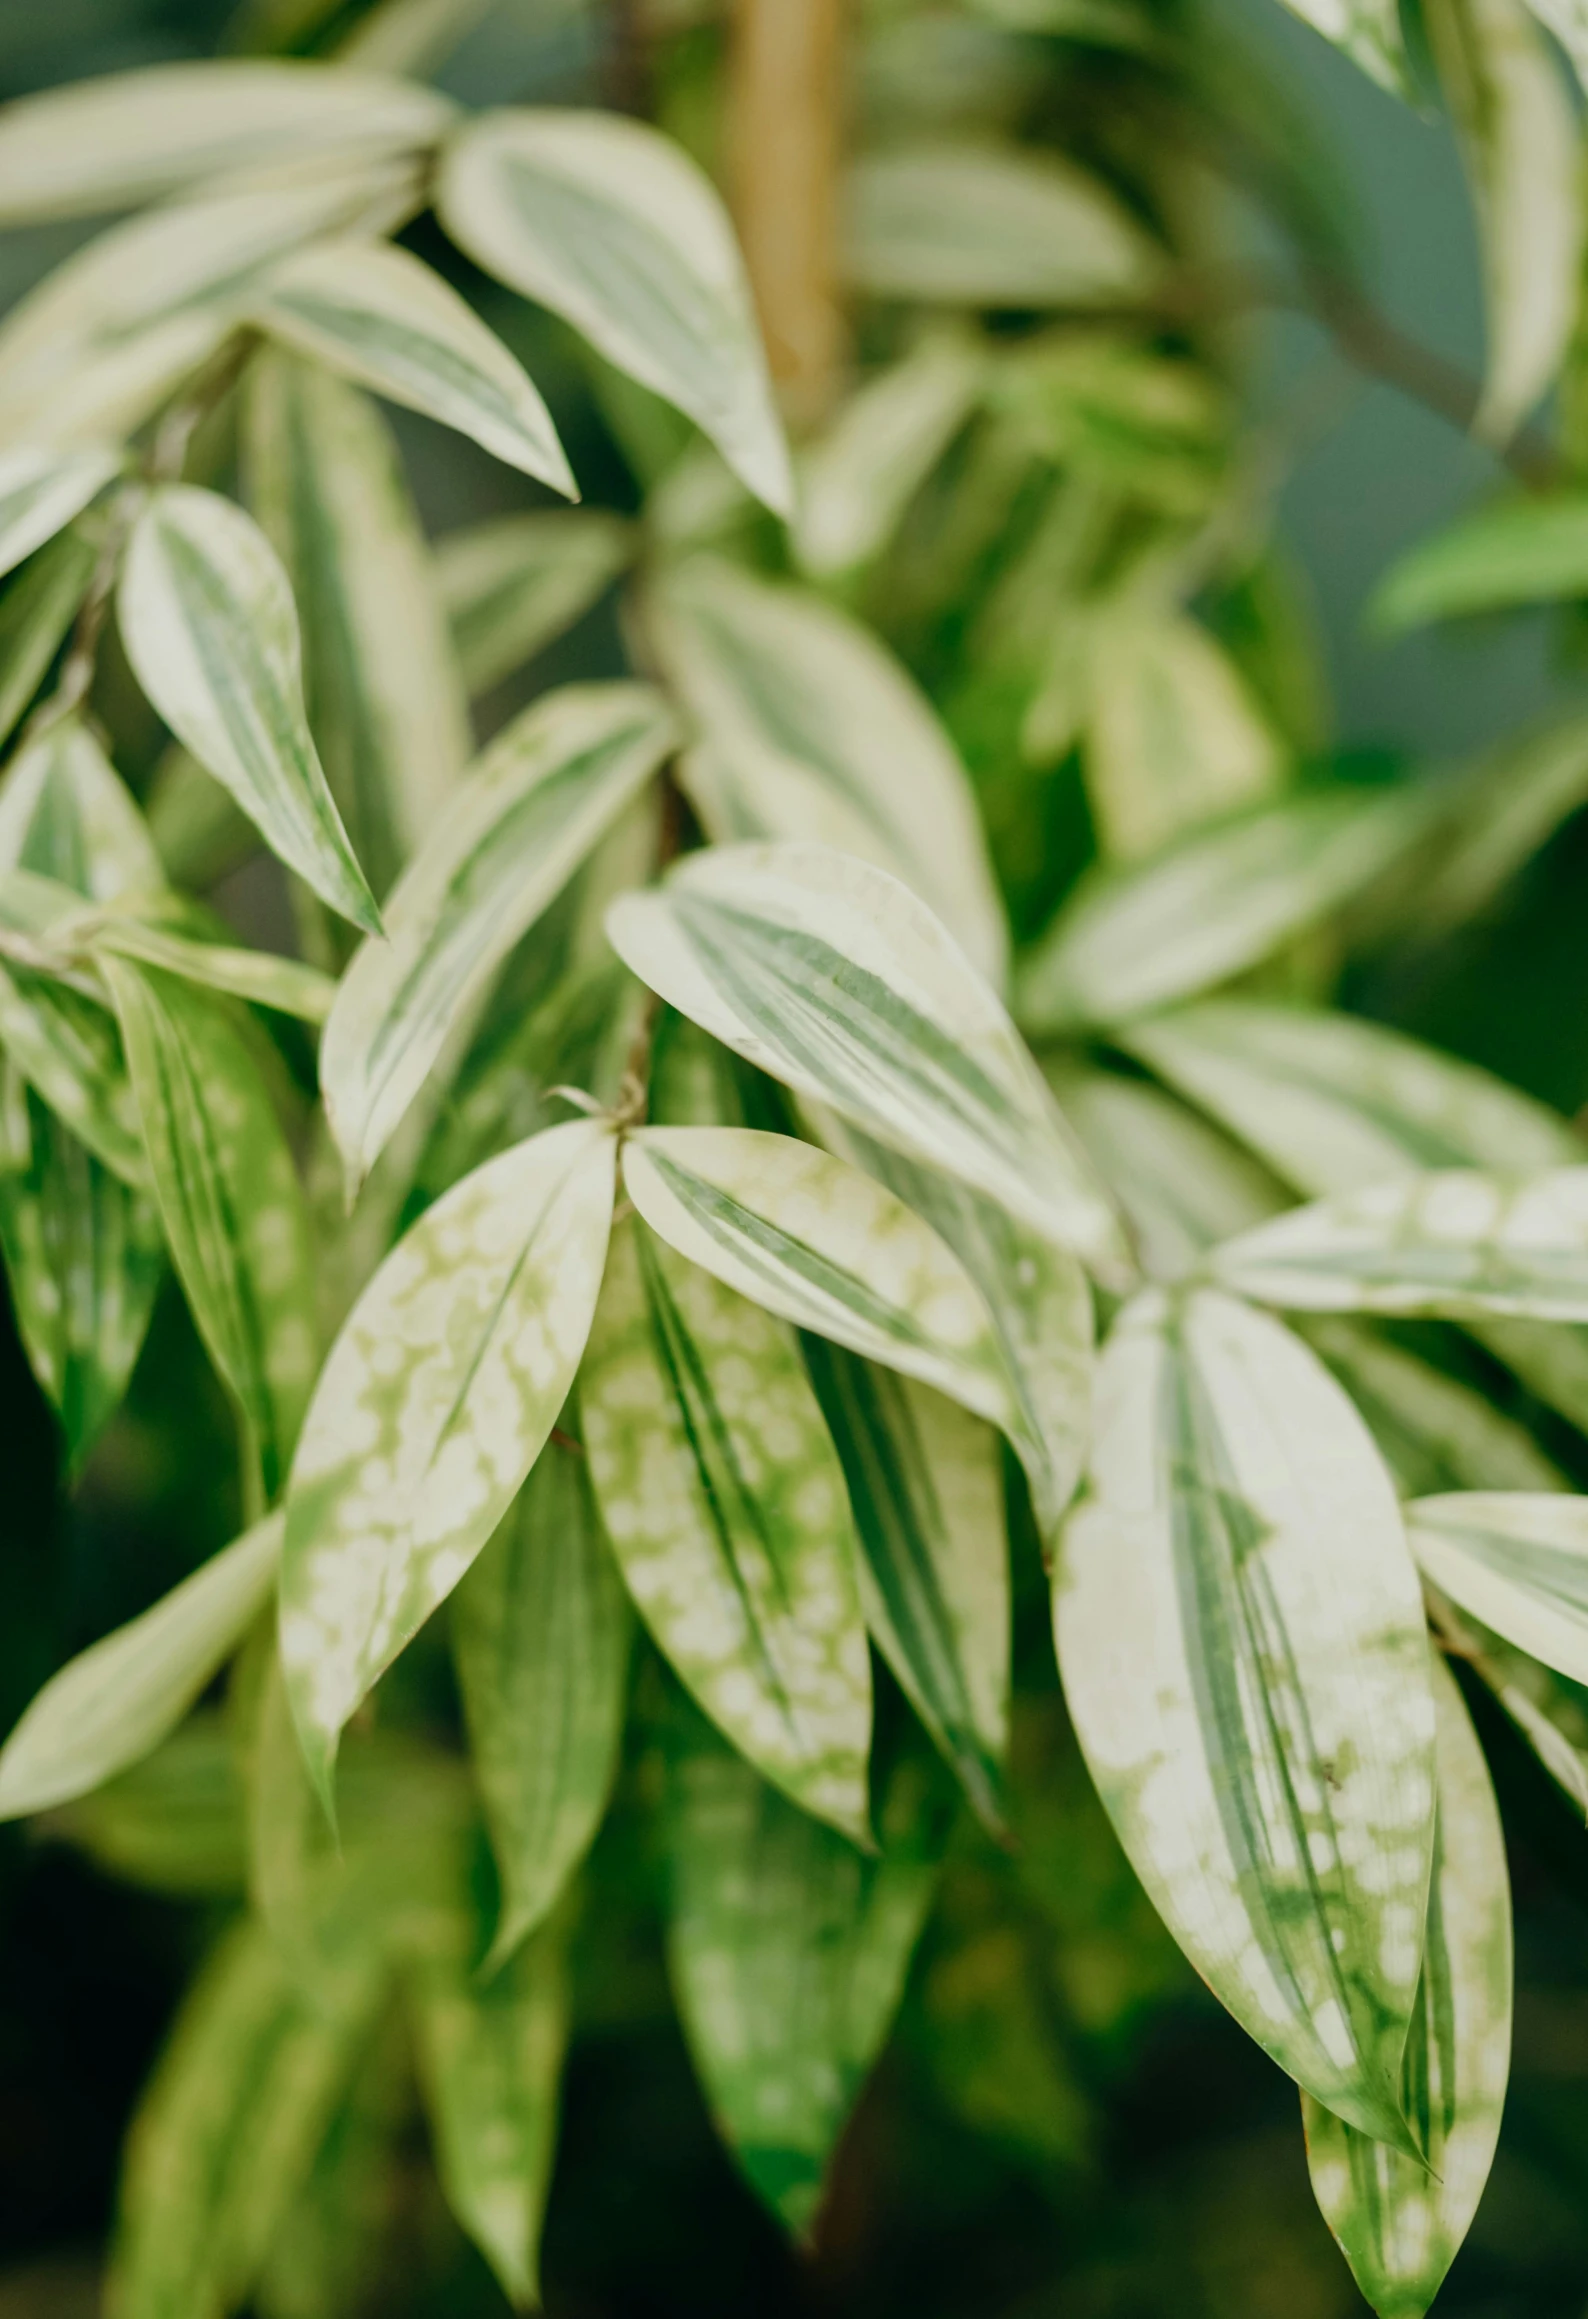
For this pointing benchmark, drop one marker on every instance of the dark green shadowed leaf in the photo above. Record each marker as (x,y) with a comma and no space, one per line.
(36,610)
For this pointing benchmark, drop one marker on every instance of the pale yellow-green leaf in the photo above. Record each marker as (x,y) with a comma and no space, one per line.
(859,475)
(259,975)
(1511,552)
(1518,1561)
(37,609)
(513,584)
(41,491)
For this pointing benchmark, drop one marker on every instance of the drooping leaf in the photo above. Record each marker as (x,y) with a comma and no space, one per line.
(529,813)
(725,1504)
(512,585)
(1241,1637)
(229,1196)
(608,224)
(541,1631)
(1369,31)
(210,627)
(1517,1560)
(381,317)
(858,477)
(283,984)
(1435,1433)
(433,1404)
(1517,551)
(36,611)
(41,491)
(809,730)
(1400,2221)
(116,1701)
(830,975)
(384,699)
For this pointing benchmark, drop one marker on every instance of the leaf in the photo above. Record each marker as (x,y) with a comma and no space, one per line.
(513,584)
(1518,135)
(1241,1638)
(1549,1710)
(1435,1433)
(432,1406)
(1515,551)
(230,1200)
(830,975)
(66,814)
(36,612)
(172,1824)
(528,814)
(385,701)
(491,2061)
(1518,796)
(1517,1560)
(926,1490)
(41,491)
(1369,31)
(1400,2221)
(382,318)
(211,630)
(258,975)
(65,1045)
(978,226)
(329,2256)
(809,729)
(1130,940)
(541,1632)
(860,474)
(725,1505)
(788,1953)
(117,139)
(610,225)
(114,1703)
(1568,21)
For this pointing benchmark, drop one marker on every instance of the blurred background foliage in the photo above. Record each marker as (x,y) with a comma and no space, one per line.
(1063,2122)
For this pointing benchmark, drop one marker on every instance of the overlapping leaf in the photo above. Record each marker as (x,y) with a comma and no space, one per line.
(36,611)
(41,491)
(511,585)
(1518,1561)
(858,477)
(1435,1433)
(284,984)
(1369,31)
(65,814)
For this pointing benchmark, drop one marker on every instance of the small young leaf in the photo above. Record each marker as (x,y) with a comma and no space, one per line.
(1517,551)
(41,491)
(513,584)
(433,1404)
(116,1701)
(1517,1561)
(209,624)
(726,1508)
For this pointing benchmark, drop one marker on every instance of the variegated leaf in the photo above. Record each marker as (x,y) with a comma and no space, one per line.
(810,730)
(532,809)
(210,628)
(611,226)
(433,1404)
(230,1200)
(384,319)
(41,491)
(65,1045)
(541,1631)
(1549,1710)
(283,984)
(330,2254)
(1241,1636)
(1400,2220)
(830,975)
(513,584)
(859,476)
(1517,1560)
(37,609)
(1435,1433)
(1369,31)
(384,699)
(66,814)
(116,1701)
(725,1504)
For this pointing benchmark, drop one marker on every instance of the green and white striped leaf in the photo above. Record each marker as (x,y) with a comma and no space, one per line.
(610,225)
(725,1504)
(41,491)
(1240,1631)
(1134,939)
(384,698)
(490,2056)
(229,1197)
(1369,31)
(37,609)
(210,628)
(65,1045)
(789,1951)
(384,319)
(810,730)
(1435,1433)
(66,814)
(926,1490)
(433,1404)
(830,975)
(1517,1560)
(531,810)
(541,1632)
(1516,551)
(513,584)
(858,477)
(260,976)
(978,225)
(123,137)
(114,1703)
(1549,1710)
(1400,2221)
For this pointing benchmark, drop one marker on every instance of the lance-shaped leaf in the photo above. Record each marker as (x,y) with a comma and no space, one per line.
(384,698)
(1517,551)
(1369,31)
(1549,1710)
(490,2054)
(1241,1636)
(788,1952)
(209,624)
(66,814)
(1454,1242)
(1517,1560)
(859,476)
(513,584)
(114,1703)
(1134,939)
(229,1195)
(119,138)
(610,225)
(384,319)
(541,1631)
(36,611)
(534,806)
(827,973)
(926,1490)
(331,2252)
(811,730)
(65,1045)
(433,1404)
(283,984)
(725,1504)
(1435,1433)
(41,491)
(1400,2220)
